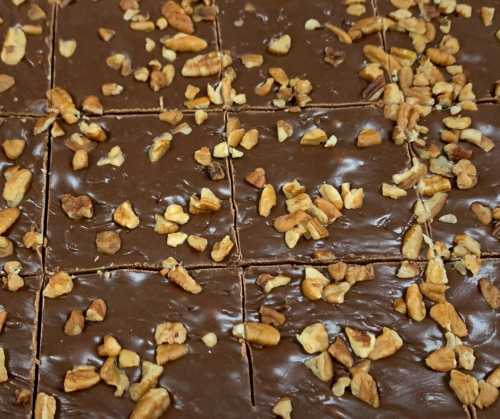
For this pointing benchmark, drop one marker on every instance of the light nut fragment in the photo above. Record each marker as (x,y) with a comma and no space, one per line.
(128,359)
(67,47)
(4,375)
(108,242)
(267,201)
(109,347)
(150,375)
(80,378)
(13,148)
(221,249)
(465,386)
(415,303)
(17,183)
(386,344)
(283,408)
(96,311)
(340,352)
(180,276)
(14,46)
(59,284)
(314,338)
(169,352)
(280,45)
(257,333)
(75,323)
(362,343)
(152,405)
(447,317)
(488,394)
(125,216)
(442,360)
(364,387)
(45,406)
(209,339)
(321,366)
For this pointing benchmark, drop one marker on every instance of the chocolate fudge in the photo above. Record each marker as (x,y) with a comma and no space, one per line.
(24,155)
(149,187)
(18,339)
(25,64)
(205,379)
(322,50)
(373,231)
(132,47)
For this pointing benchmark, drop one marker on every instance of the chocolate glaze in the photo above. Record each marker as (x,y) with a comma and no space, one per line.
(406,387)
(81,19)
(205,381)
(374,231)
(272,18)
(487,191)
(18,339)
(32,206)
(479,47)
(33,72)
(149,187)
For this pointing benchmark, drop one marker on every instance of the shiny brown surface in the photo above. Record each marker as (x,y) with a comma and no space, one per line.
(32,206)
(32,74)
(149,187)
(407,388)
(18,339)
(374,231)
(487,191)
(80,20)
(205,380)
(332,85)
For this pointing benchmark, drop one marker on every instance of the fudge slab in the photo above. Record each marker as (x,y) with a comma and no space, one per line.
(407,388)
(18,340)
(247,28)
(373,231)
(479,47)
(34,159)
(81,20)
(487,190)
(149,187)
(31,70)
(205,380)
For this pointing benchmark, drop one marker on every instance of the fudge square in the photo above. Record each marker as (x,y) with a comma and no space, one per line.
(23,177)
(318,147)
(18,331)
(475,206)
(25,33)
(319,44)
(112,213)
(406,386)
(140,306)
(136,55)
(473,24)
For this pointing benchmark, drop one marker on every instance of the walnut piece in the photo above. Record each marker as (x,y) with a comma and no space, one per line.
(152,405)
(59,284)
(80,378)
(45,406)
(313,338)
(77,207)
(125,216)
(150,375)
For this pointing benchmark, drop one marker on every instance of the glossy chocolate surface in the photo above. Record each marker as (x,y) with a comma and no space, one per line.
(80,20)
(205,380)
(32,73)
(32,206)
(479,48)
(407,388)
(249,32)
(18,339)
(487,190)
(374,231)
(149,187)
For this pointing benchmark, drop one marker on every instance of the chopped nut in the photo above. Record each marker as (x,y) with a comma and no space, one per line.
(170,352)
(113,376)
(340,386)
(283,408)
(354,198)
(208,202)
(180,276)
(111,89)
(150,375)
(209,339)
(252,60)
(75,323)
(8,217)
(13,282)
(128,359)
(393,191)
(257,178)
(61,100)
(314,136)
(182,42)
(314,338)
(362,343)
(482,213)
(466,358)
(268,282)
(465,387)
(415,304)
(17,182)
(335,293)
(14,46)
(407,270)
(177,17)
(59,284)
(494,377)
(412,242)
(176,239)
(368,137)
(280,45)
(80,160)
(268,200)
(442,360)
(221,249)
(447,317)
(114,157)
(45,406)
(77,207)
(399,305)
(108,242)
(4,376)
(364,387)
(96,312)
(487,14)
(434,292)
(202,156)
(490,293)
(466,174)
(488,394)
(250,139)
(125,216)
(429,209)
(206,64)
(159,148)
(109,347)
(153,404)
(271,316)
(198,243)
(321,366)
(386,344)
(6,82)
(67,47)
(340,352)
(258,333)
(80,378)
(313,284)
(13,148)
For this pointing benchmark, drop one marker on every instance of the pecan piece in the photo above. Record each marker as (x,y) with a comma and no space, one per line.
(177,17)
(59,284)
(45,406)
(77,207)
(80,378)
(258,333)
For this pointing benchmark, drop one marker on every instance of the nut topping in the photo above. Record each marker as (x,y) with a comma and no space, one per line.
(77,207)
(257,333)
(80,378)
(152,405)
(59,284)
(283,408)
(45,406)
(125,216)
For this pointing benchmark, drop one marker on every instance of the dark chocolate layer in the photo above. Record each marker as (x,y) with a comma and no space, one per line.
(32,73)
(149,187)
(205,380)
(18,339)
(249,32)
(81,20)
(374,231)
(32,206)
